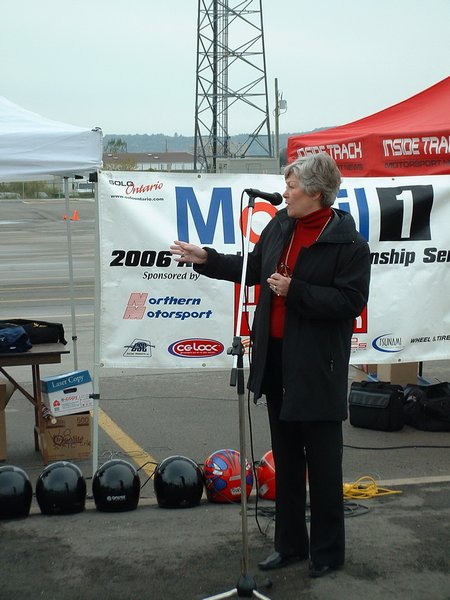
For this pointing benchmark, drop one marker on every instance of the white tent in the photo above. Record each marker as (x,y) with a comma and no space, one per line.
(32,146)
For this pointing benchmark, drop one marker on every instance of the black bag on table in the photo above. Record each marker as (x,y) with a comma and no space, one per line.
(13,338)
(376,405)
(427,407)
(39,332)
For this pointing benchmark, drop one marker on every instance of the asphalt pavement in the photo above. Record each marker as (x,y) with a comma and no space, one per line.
(398,544)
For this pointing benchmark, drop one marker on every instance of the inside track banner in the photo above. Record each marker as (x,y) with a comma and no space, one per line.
(156,313)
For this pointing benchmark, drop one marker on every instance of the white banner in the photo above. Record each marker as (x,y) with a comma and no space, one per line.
(156,313)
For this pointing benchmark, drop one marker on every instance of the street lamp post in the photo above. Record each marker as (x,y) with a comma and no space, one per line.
(277,126)
(280,105)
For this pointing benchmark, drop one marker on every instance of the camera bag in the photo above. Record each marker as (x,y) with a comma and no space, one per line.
(39,332)
(13,338)
(376,405)
(427,407)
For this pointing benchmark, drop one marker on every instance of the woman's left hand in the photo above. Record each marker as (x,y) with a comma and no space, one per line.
(279,284)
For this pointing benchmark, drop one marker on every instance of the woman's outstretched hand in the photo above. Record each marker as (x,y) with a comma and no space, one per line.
(184,252)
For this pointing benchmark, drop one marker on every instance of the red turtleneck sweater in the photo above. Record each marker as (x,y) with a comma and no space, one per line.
(306,232)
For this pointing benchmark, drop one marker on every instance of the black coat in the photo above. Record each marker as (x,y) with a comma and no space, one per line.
(328,290)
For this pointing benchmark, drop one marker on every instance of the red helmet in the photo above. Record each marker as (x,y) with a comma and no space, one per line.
(265,473)
(222,473)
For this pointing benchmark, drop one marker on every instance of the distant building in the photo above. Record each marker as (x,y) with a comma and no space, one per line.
(255,165)
(184,162)
(155,161)
(84,188)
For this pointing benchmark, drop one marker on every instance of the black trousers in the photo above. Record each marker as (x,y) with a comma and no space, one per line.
(305,451)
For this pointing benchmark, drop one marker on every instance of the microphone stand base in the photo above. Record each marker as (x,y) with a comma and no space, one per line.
(246,588)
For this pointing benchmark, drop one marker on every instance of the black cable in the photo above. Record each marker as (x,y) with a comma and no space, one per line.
(254,464)
(252,450)
(351,509)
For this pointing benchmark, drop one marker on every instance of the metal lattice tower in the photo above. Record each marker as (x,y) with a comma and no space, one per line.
(231,80)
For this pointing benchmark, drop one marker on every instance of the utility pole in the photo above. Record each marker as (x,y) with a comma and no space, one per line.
(277,124)
(231,82)
(280,108)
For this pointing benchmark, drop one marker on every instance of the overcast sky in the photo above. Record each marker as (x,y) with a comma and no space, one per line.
(130,66)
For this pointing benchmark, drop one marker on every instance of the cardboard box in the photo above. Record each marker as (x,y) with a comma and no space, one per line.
(362,372)
(399,373)
(67,394)
(68,438)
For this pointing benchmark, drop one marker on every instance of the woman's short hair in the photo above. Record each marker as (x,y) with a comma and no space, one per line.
(317,173)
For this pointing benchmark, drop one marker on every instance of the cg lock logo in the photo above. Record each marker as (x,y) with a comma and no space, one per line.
(196,348)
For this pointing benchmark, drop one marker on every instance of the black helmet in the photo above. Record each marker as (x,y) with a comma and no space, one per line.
(61,489)
(15,492)
(178,482)
(116,486)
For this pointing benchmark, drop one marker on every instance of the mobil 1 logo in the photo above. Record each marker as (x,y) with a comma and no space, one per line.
(405,212)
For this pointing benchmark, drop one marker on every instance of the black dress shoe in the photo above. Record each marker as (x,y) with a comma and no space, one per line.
(321,570)
(278,560)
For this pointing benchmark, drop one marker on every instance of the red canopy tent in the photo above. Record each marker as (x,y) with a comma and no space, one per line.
(408,138)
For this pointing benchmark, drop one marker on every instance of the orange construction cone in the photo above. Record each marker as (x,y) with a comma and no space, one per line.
(75,216)
(65,217)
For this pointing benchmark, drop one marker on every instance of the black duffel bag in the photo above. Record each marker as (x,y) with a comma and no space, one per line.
(39,332)
(376,405)
(427,407)
(13,338)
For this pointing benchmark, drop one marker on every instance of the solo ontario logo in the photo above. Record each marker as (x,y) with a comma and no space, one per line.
(196,348)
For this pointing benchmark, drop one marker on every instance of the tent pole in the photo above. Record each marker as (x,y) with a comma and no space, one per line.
(71,284)
(97,307)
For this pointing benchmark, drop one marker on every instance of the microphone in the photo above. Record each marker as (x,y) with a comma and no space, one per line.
(275,198)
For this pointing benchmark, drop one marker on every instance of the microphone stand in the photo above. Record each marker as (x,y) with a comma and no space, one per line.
(246,586)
